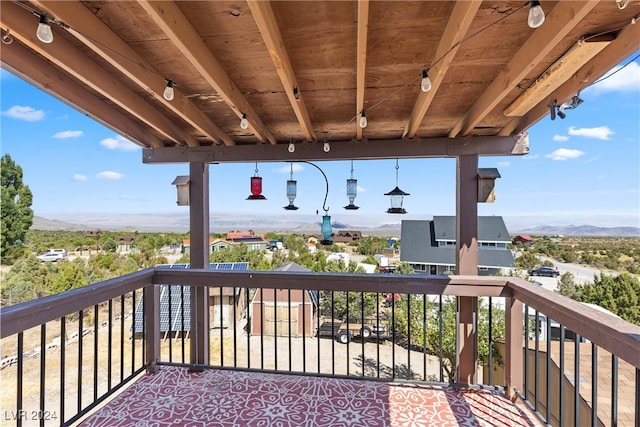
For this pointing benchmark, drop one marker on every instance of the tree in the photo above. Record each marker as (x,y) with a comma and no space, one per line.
(618,294)
(15,207)
(28,279)
(568,288)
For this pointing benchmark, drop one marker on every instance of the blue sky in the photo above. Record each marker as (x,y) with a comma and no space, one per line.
(584,169)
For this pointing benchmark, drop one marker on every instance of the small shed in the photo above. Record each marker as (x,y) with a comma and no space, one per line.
(281,312)
(523,239)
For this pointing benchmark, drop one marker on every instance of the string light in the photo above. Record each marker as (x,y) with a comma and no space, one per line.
(168,90)
(7,38)
(291,147)
(296,93)
(536,14)
(244,122)
(363,119)
(425,84)
(326,147)
(44,33)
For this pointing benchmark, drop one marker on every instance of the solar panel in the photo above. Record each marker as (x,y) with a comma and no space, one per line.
(172,315)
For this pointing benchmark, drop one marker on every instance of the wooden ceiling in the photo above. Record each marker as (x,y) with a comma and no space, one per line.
(303,71)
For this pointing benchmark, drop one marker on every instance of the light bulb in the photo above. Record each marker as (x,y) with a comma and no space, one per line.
(536,14)
(326,147)
(425,85)
(168,91)
(244,123)
(44,33)
(291,147)
(7,38)
(363,120)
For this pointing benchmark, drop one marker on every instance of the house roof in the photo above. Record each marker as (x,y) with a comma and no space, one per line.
(419,245)
(304,72)
(490,229)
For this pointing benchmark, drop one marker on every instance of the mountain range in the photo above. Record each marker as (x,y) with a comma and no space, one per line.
(306,224)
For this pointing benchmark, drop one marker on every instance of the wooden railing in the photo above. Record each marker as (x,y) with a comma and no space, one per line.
(606,332)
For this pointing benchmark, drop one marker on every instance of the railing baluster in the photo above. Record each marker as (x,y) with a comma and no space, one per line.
(637,404)
(527,336)
(19,378)
(122,338)
(424,337)
(548,372)
(235,329)
(349,333)
(408,335)
(363,326)
(378,337)
(249,316)
(133,334)
(262,325)
(490,315)
(393,337)
(594,385)
(43,358)
(304,329)
(333,338)
(110,344)
(80,339)
(63,346)
(440,332)
(222,303)
(537,362)
(289,316)
(561,377)
(95,352)
(614,390)
(576,380)
(169,331)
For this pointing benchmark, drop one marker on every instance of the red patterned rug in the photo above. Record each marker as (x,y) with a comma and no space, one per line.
(176,397)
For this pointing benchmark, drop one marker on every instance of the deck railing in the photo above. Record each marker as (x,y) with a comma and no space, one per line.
(98,348)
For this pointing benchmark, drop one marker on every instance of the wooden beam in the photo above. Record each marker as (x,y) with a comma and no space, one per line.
(626,43)
(361,61)
(63,54)
(579,54)
(457,27)
(266,21)
(33,68)
(560,21)
(345,150)
(168,16)
(91,31)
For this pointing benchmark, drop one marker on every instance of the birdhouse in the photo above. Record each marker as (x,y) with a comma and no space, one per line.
(486,183)
(182,185)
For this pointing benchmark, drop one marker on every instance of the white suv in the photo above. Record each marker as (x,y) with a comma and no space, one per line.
(53,255)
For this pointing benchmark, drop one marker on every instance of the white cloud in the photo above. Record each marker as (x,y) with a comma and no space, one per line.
(601,132)
(361,189)
(297,167)
(560,138)
(79,177)
(66,134)
(565,154)
(624,80)
(28,114)
(504,164)
(110,175)
(119,143)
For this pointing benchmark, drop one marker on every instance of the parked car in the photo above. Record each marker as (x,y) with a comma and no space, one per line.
(51,256)
(544,271)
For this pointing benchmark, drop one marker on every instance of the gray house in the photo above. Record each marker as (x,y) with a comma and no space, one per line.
(430,246)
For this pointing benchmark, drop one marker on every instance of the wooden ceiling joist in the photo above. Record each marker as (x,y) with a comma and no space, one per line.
(33,68)
(343,150)
(64,55)
(265,19)
(559,22)
(91,31)
(624,45)
(556,75)
(175,25)
(361,61)
(457,27)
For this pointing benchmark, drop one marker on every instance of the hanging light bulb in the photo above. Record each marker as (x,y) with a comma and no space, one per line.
(425,84)
(44,33)
(256,187)
(168,90)
(363,119)
(291,147)
(352,190)
(7,38)
(397,197)
(291,192)
(244,122)
(536,14)
(296,93)
(326,147)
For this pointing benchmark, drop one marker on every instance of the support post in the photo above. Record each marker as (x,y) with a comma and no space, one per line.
(467,264)
(152,326)
(513,358)
(199,258)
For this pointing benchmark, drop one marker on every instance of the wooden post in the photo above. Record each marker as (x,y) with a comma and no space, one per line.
(467,264)
(513,359)
(152,326)
(199,258)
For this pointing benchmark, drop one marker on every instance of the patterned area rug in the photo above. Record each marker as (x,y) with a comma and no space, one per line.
(176,397)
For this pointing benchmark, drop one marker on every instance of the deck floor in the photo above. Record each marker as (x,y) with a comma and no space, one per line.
(176,397)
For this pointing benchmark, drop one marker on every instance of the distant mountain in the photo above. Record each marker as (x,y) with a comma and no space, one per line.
(583,230)
(306,224)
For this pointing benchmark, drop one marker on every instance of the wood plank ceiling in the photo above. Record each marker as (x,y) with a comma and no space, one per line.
(303,72)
